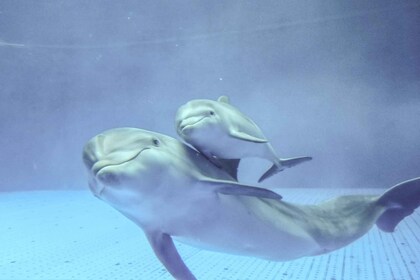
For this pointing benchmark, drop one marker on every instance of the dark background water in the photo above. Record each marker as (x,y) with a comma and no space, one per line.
(338,80)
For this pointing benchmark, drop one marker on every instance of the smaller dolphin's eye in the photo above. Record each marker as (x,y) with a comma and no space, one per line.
(156,142)
(211,113)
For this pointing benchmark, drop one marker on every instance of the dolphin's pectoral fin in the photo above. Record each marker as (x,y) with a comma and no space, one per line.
(248,191)
(401,200)
(289,162)
(274,169)
(232,188)
(224,99)
(165,250)
(246,137)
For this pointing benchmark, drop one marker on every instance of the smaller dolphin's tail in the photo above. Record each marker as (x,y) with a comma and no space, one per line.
(400,201)
(284,163)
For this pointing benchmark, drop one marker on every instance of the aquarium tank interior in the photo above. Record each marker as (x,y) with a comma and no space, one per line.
(233,140)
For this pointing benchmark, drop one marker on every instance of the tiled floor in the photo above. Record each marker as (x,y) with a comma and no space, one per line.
(72,235)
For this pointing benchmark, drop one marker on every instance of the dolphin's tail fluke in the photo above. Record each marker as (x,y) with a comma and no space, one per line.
(400,201)
(283,163)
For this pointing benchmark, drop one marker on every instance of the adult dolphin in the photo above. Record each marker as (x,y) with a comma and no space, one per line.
(220,131)
(171,191)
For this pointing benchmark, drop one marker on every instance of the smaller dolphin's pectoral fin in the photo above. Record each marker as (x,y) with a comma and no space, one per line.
(400,201)
(246,137)
(232,188)
(289,162)
(274,169)
(165,250)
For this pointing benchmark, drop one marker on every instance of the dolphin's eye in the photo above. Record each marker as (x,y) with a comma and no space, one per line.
(211,113)
(156,142)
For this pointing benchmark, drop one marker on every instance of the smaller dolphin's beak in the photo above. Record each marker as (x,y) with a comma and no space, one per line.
(189,121)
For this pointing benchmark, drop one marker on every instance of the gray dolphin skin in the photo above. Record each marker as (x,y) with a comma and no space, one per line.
(173,192)
(220,131)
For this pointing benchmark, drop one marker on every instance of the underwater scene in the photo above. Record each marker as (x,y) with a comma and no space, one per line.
(231,140)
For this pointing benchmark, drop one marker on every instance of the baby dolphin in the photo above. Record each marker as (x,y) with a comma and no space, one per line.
(222,132)
(172,191)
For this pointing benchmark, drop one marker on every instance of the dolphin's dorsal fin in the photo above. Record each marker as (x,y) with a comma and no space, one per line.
(246,137)
(224,99)
(233,188)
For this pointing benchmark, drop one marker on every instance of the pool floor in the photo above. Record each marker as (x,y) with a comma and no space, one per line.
(72,235)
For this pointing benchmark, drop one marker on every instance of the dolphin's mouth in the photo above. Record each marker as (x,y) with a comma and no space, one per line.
(190,122)
(99,165)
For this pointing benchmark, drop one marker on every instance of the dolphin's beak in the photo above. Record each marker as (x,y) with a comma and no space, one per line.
(93,150)
(88,160)
(189,121)
(114,159)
